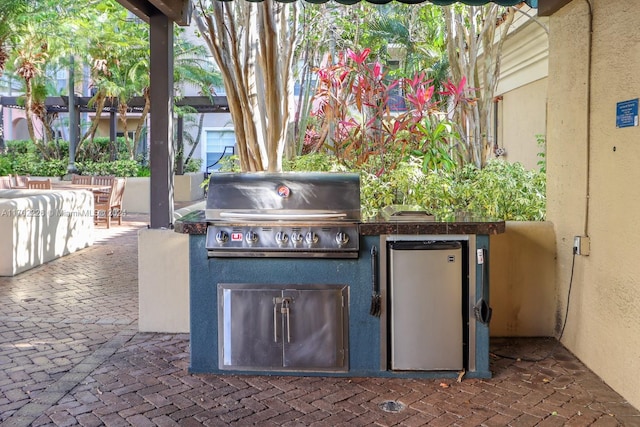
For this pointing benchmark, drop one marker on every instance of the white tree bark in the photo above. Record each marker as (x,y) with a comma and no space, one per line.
(471,37)
(253,45)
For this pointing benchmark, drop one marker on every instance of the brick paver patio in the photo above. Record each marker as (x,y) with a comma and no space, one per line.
(70,354)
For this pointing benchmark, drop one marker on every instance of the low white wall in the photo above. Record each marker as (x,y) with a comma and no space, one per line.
(163,278)
(137,193)
(187,187)
(522,276)
(38,226)
(163,281)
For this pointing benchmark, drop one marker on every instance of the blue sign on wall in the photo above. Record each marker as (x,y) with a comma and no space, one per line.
(627,113)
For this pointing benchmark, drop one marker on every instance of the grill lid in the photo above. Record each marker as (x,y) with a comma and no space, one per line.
(292,196)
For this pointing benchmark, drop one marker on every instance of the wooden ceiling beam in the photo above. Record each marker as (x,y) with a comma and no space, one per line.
(549,7)
(178,11)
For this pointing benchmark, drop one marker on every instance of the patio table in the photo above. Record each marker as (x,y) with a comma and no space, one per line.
(95,188)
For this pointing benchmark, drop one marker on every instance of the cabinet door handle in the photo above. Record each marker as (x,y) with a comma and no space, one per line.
(285,313)
(275,319)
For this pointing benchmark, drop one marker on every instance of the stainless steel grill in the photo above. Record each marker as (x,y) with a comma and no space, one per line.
(283,215)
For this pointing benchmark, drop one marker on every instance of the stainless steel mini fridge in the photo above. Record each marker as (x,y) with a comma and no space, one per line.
(425,292)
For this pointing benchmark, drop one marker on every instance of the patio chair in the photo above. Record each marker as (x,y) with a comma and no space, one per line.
(39,184)
(5,182)
(116,203)
(20,181)
(109,206)
(104,180)
(81,179)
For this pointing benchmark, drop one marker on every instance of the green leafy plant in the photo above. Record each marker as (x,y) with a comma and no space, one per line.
(355,117)
(542,154)
(124,168)
(193,165)
(53,167)
(144,172)
(5,166)
(501,190)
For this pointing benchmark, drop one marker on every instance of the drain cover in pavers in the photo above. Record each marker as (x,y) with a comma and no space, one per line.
(392,406)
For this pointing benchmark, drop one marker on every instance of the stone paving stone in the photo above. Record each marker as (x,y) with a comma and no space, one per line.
(75,347)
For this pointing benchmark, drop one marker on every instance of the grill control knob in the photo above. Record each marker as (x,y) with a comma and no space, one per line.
(342,238)
(296,238)
(222,237)
(281,238)
(311,238)
(251,237)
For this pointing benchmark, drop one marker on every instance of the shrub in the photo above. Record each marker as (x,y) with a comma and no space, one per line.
(100,150)
(500,191)
(317,162)
(25,164)
(194,165)
(5,165)
(54,167)
(123,168)
(144,172)
(16,147)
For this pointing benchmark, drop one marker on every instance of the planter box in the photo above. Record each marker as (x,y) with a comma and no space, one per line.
(137,193)
(38,226)
(186,188)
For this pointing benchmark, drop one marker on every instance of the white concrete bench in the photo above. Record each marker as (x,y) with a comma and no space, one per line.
(37,226)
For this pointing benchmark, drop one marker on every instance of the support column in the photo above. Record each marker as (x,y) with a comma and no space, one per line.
(2,143)
(113,132)
(74,119)
(161,128)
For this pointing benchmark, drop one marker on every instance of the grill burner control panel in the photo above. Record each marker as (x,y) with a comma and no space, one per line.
(331,241)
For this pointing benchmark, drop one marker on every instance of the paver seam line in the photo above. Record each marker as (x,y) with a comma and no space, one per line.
(71,321)
(27,414)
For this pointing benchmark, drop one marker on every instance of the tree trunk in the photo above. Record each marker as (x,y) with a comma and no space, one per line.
(253,45)
(196,141)
(122,114)
(142,120)
(99,102)
(474,38)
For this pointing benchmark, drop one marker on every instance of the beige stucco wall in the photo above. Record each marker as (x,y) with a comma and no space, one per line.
(522,277)
(600,164)
(163,281)
(137,193)
(522,116)
(524,64)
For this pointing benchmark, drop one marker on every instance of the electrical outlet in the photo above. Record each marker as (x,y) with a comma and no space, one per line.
(581,245)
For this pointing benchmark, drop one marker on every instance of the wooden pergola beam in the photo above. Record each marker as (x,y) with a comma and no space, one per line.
(60,104)
(178,11)
(549,7)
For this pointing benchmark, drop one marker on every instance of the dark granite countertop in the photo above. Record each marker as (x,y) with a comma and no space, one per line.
(195,223)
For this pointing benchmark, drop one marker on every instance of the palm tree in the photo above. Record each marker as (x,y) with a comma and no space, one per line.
(192,67)
(10,11)
(31,56)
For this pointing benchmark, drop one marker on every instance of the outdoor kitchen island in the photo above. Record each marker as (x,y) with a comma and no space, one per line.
(330,312)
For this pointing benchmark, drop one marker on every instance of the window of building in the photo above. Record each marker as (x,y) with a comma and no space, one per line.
(219,143)
(396,95)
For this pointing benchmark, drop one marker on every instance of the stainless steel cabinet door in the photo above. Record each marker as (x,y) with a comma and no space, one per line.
(274,327)
(248,337)
(313,334)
